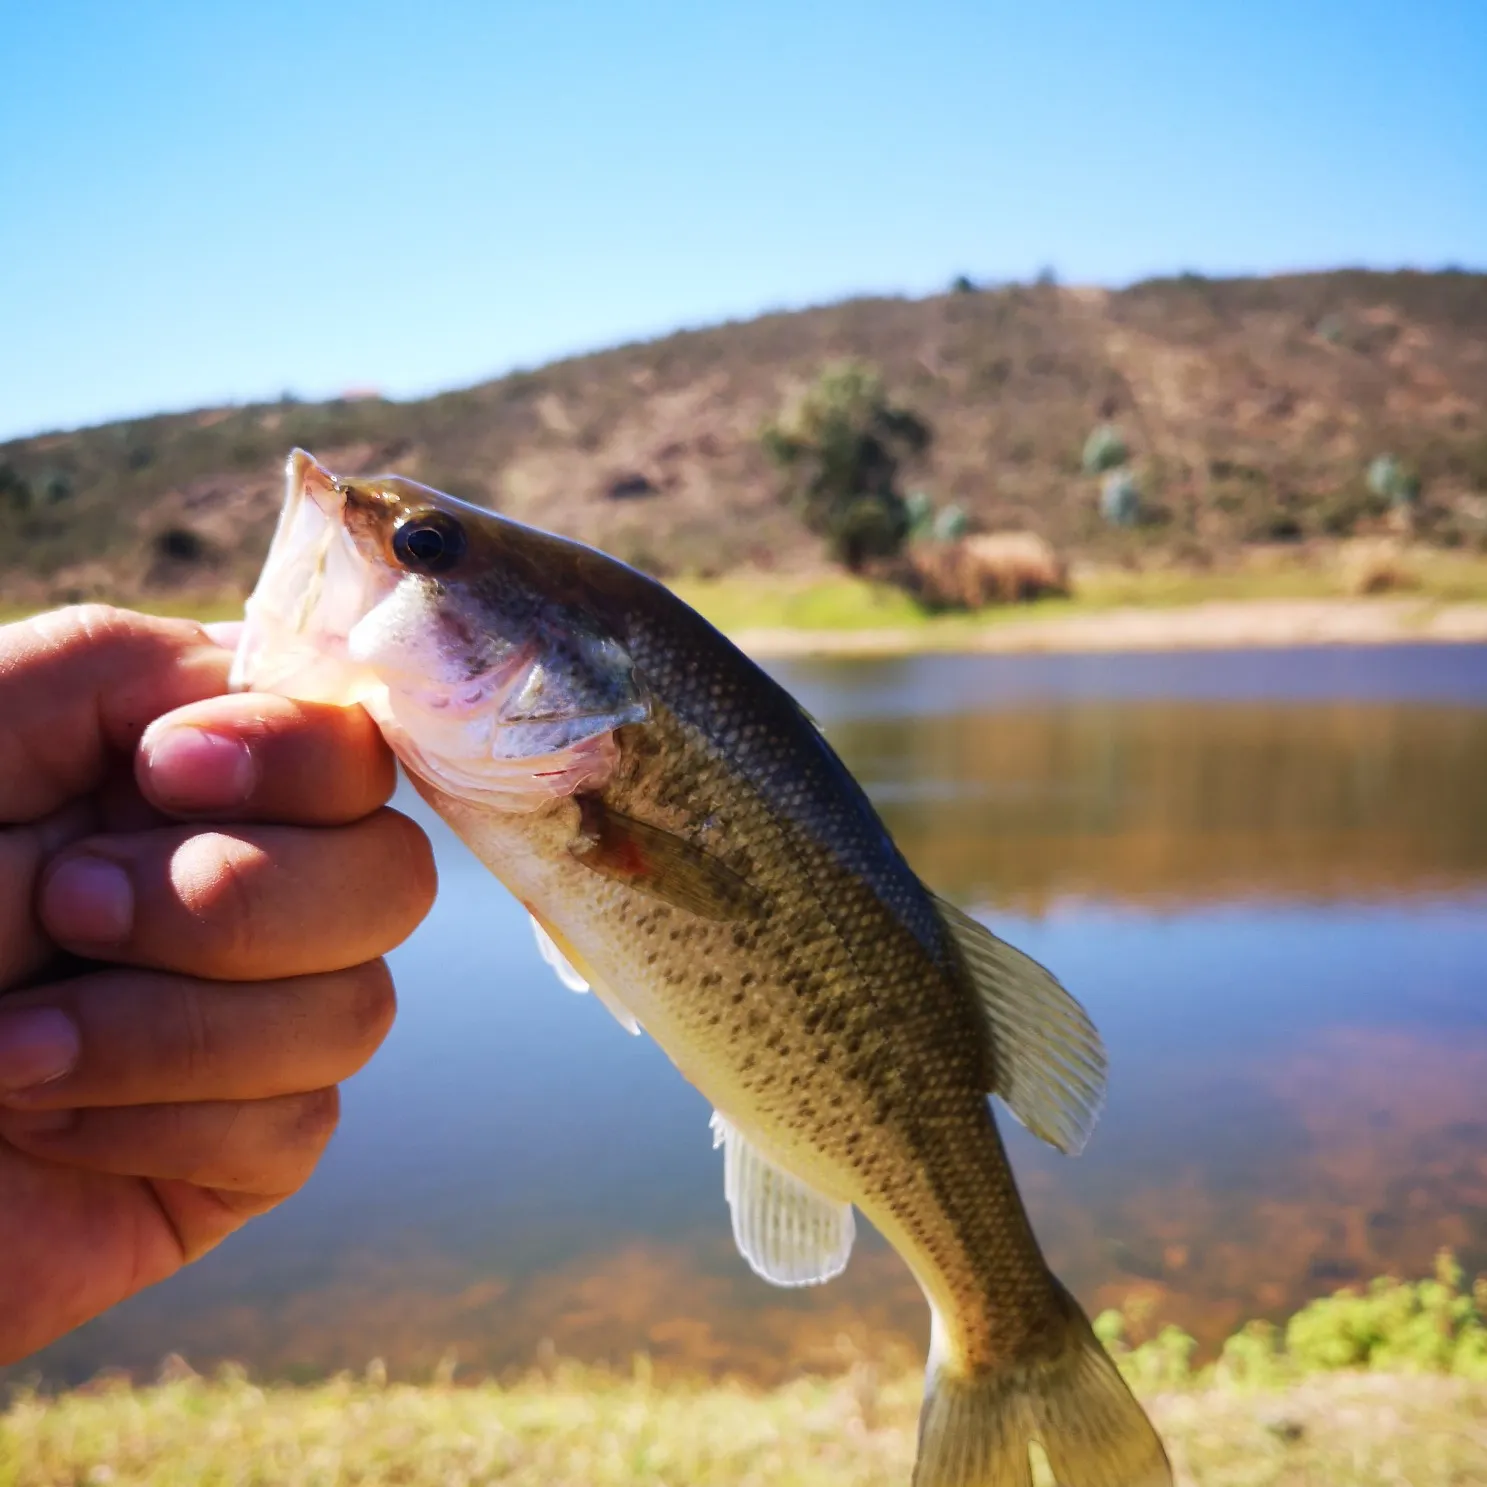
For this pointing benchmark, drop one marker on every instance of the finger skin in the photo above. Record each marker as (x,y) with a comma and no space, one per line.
(75,1244)
(78,686)
(306,763)
(255,902)
(24,949)
(264,1148)
(149,1038)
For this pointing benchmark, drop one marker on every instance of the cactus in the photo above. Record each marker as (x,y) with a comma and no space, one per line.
(1390,481)
(950,523)
(920,508)
(1120,499)
(1105,449)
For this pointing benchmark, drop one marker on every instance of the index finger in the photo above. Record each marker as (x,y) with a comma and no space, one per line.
(78,687)
(257,757)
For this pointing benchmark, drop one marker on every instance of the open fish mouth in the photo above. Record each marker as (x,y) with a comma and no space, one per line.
(313,589)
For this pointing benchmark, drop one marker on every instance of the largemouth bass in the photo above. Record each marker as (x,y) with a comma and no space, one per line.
(691,849)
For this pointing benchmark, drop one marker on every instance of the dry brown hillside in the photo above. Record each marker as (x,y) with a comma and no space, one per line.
(1251,406)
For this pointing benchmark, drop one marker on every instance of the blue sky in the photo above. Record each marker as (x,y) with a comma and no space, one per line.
(208,202)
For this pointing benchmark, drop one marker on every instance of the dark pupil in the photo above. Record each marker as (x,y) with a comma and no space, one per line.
(424,544)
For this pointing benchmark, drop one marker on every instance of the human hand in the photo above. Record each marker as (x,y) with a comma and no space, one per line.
(178,1000)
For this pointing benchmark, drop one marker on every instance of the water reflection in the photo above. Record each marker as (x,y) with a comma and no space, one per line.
(1273,904)
(1184,802)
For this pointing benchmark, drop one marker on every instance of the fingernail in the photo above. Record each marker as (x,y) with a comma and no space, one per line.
(193,770)
(37,1045)
(88,901)
(224,633)
(36,1122)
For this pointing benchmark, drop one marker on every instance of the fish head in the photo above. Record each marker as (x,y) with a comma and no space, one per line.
(490,672)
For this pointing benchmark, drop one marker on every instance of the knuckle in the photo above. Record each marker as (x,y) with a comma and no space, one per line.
(203,1138)
(372,1003)
(107,628)
(415,869)
(314,1118)
(194,1052)
(218,879)
(78,624)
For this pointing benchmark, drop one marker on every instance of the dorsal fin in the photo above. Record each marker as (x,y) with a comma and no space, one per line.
(1048,1060)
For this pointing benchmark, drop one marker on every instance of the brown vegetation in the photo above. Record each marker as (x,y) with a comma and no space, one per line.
(1251,410)
(989,568)
(1376,565)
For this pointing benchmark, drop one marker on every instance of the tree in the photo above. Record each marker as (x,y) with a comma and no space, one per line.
(841,443)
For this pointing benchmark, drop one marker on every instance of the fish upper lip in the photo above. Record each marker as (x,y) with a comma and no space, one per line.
(312,479)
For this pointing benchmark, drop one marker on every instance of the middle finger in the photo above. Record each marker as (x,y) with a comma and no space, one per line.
(242,904)
(147,1038)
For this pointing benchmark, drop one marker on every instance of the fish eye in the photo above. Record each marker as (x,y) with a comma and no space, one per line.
(429,542)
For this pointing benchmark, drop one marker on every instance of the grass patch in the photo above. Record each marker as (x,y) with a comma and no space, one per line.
(1385,1385)
(585,1429)
(204,611)
(840,602)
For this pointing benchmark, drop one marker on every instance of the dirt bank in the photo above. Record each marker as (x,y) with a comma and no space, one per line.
(1238,625)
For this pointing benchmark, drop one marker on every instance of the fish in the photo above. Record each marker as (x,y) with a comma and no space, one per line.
(693,852)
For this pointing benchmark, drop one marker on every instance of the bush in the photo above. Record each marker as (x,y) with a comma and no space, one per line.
(1376,567)
(1105,449)
(1431,1326)
(841,444)
(15,491)
(993,568)
(928,523)
(1434,1326)
(1390,481)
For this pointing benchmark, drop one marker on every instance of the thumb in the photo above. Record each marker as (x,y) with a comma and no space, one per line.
(77,688)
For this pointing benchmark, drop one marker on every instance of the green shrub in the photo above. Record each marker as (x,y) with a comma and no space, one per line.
(1392,482)
(1433,1326)
(841,444)
(1430,1326)
(1120,499)
(1104,450)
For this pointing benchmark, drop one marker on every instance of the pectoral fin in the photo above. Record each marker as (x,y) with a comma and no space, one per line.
(660,863)
(1048,1060)
(788,1232)
(560,958)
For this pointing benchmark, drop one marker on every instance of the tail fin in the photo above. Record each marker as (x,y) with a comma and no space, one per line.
(974,1431)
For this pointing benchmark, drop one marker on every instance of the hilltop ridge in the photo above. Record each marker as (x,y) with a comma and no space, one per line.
(1251,408)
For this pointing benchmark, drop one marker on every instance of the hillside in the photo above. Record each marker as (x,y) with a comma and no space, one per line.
(1251,406)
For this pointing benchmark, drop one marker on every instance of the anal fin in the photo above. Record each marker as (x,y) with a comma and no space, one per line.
(788,1232)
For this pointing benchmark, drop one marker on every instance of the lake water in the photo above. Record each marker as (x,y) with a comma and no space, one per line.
(1264,874)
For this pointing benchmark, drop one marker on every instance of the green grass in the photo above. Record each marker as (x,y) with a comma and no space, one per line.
(590,1430)
(1382,1386)
(840,602)
(205,611)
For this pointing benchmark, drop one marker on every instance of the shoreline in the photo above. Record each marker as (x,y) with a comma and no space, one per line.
(1238,624)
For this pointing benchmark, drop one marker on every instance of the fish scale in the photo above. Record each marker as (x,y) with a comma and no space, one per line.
(899,1126)
(693,851)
